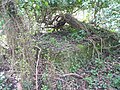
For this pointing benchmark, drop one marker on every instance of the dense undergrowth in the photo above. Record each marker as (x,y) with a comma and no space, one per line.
(76,64)
(69,62)
(62,58)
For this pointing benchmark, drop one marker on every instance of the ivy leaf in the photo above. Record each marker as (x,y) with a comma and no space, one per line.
(26,0)
(37,7)
(46,3)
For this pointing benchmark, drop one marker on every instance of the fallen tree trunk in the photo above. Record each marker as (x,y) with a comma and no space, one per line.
(73,22)
(93,32)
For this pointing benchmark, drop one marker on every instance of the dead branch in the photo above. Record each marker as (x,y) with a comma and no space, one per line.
(71,74)
(37,63)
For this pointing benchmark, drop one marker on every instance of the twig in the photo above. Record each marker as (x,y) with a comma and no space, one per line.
(116,46)
(92,41)
(71,74)
(19,86)
(37,63)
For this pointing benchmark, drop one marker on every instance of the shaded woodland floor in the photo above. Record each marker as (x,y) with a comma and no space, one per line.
(67,63)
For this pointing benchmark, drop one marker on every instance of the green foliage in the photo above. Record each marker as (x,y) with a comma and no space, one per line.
(53,41)
(98,4)
(89,80)
(2,78)
(110,18)
(44,87)
(6,83)
(78,35)
(63,54)
(27,85)
(37,4)
(76,61)
(74,66)
(99,63)
(116,82)
(1,23)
